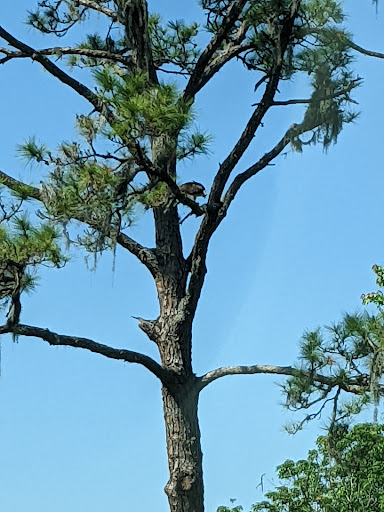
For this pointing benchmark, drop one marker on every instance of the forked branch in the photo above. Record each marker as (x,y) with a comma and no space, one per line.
(97,6)
(59,51)
(256,119)
(294,131)
(198,77)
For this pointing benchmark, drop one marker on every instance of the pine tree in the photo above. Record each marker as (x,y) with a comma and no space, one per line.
(138,128)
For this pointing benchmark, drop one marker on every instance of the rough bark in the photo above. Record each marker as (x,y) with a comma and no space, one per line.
(173,336)
(185,485)
(172,332)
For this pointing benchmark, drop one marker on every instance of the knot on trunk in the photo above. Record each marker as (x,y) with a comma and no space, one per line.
(186,482)
(181,480)
(148,327)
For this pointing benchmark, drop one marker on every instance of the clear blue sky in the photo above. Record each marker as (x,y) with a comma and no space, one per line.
(80,432)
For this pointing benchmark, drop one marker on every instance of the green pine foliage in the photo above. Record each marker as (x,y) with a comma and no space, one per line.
(174,43)
(23,247)
(94,180)
(351,350)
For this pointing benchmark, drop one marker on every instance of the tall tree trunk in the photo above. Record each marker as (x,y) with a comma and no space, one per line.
(184,489)
(172,332)
(180,399)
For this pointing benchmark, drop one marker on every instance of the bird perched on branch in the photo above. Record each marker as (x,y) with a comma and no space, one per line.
(193,189)
(161,194)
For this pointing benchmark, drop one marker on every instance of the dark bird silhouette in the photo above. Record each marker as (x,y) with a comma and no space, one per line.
(193,189)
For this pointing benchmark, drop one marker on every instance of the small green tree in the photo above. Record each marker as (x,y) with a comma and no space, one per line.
(353,481)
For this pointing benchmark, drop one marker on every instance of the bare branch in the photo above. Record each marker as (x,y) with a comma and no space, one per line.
(96,6)
(144,255)
(353,386)
(59,51)
(318,413)
(255,120)
(346,90)
(349,42)
(370,53)
(74,341)
(60,74)
(232,50)
(294,131)
(244,140)
(215,210)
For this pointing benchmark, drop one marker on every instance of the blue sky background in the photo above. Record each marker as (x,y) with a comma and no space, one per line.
(80,432)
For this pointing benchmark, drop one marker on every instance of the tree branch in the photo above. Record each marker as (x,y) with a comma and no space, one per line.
(144,255)
(245,139)
(255,120)
(346,90)
(232,50)
(294,131)
(349,42)
(59,51)
(74,341)
(353,386)
(60,74)
(215,211)
(96,6)
(364,51)
(198,77)
(80,88)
